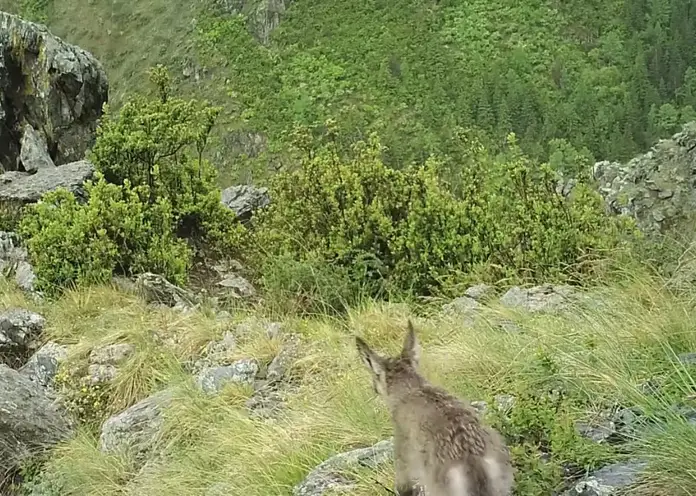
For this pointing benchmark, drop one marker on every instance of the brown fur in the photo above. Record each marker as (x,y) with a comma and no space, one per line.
(439,442)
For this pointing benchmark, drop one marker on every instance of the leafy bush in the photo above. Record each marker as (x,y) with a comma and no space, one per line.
(544,443)
(117,229)
(407,230)
(160,143)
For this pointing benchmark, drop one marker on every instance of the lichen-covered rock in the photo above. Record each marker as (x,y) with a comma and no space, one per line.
(30,421)
(103,361)
(14,262)
(272,391)
(216,353)
(43,365)
(135,431)
(17,187)
(608,480)
(57,88)
(545,298)
(463,308)
(33,154)
(281,364)
(19,329)
(480,292)
(243,200)
(157,289)
(655,188)
(112,354)
(237,286)
(335,473)
(213,379)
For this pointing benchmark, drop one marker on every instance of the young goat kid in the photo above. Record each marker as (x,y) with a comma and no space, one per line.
(439,442)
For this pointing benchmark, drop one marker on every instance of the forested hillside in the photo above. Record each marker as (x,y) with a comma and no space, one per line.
(609,77)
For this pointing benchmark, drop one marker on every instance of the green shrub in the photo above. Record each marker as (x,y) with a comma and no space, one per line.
(544,444)
(160,143)
(116,230)
(408,230)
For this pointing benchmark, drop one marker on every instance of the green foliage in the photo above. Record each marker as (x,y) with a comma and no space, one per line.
(117,229)
(405,230)
(35,10)
(544,443)
(10,215)
(160,143)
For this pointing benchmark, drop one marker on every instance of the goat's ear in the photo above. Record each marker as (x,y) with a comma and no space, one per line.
(369,358)
(411,349)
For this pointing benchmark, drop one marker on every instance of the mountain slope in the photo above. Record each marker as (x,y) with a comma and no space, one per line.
(610,77)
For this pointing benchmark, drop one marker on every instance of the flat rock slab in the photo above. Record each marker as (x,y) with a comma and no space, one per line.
(29,188)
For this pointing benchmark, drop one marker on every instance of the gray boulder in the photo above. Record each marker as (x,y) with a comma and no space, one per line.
(112,354)
(135,431)
(56,88)
(237,286)
(33,154)
(213,379)
(464,308)
(19,328)
(244,200)
(545,298)
(155,288)
(480,292)
(655,188)
(335,473)
(609,480)
(43,365)
(103,361)
(30,421)
(14,262)
(18,187)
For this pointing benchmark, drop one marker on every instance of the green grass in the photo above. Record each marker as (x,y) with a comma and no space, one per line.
(599,357)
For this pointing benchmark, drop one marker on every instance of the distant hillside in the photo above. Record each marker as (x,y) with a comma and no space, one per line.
(607,76)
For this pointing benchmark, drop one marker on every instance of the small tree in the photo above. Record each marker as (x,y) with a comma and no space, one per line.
(160,143)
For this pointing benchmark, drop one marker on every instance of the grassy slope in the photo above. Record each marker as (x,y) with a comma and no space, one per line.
(599,357)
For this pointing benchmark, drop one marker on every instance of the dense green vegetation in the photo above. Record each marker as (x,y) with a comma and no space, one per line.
(610,77)
(153,191)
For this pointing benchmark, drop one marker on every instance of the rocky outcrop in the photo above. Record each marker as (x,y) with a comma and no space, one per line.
(156,289)
(263,16)
(14,262)
(42,367)
(19,329)
(51,94)
(334,474)
(243,200)
(135,431)
(30,422)
(610,480)
(656,188)
(21,187)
